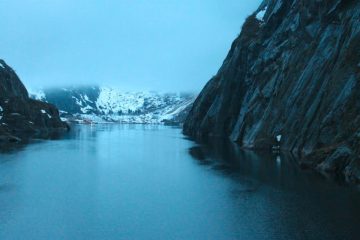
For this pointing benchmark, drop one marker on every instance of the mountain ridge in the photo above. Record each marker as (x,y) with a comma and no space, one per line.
(106,104)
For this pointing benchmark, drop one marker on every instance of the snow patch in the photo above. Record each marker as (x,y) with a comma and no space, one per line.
(278,138)
(37,94)
(173,111)
(114,105)
(139,107)
(44,112)
(86,98)
(78,102)
(86,109)
(260,15)
(112,101)
(1,65)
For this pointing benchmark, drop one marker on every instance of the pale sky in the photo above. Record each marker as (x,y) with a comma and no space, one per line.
(161,45)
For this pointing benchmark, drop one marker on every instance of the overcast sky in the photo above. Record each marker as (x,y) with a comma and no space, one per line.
(164,45)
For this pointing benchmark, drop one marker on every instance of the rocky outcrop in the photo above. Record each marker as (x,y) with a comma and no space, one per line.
(21,116)
(291,80)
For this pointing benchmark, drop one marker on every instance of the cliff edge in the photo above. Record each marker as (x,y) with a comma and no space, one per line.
(291,81)
(21,116)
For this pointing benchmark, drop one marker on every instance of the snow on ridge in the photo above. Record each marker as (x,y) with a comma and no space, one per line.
(261,14)
(37,94)
(86,109)
(111,100)
(86,98)
(140,107)
(78,101)
(108,104)
(172,111)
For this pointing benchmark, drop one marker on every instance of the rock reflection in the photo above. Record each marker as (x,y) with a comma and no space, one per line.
(228,158)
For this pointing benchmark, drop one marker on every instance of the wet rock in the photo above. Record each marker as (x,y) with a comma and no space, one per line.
(337,161)
(293,72)
(352,171)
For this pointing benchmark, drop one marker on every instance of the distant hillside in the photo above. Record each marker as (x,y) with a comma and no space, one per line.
(103,104)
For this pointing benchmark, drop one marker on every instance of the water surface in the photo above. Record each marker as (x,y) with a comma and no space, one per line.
(149,182)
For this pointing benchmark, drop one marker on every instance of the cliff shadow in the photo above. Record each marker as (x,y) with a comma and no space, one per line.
(280,169)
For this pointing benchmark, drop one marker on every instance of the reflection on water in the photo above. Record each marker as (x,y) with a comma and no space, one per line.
(149,182)
(8,147)
(272,168)
(298,204)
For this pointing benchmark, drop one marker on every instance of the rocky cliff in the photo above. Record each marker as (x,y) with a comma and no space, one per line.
(21,116)
(291,81)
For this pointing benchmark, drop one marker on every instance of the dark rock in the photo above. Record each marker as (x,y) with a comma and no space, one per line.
(294,73)
(10,85)
(337,161)
(352,171)
(21,116)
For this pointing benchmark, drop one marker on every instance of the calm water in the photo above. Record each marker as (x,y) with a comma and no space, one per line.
(149,182)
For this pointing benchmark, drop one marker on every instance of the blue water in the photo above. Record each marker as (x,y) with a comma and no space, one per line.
(150,182)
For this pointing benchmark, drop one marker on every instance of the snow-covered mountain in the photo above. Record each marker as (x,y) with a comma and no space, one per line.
(104,104)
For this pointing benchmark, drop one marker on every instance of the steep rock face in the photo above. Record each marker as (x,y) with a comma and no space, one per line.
(20,115)
(291,75)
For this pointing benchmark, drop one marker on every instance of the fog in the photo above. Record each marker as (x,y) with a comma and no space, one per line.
(162,45)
